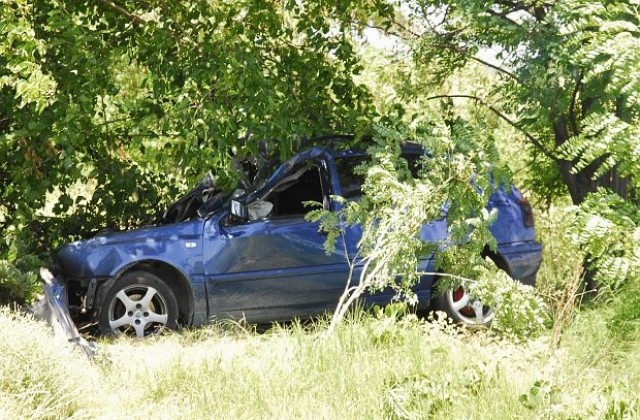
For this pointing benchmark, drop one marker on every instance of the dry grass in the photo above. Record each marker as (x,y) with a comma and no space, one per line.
(368,369)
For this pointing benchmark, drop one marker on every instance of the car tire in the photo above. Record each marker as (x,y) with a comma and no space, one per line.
(138,304)
(462,308)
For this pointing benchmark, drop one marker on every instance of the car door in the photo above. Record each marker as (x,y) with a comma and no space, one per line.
(350,181)
(275,267)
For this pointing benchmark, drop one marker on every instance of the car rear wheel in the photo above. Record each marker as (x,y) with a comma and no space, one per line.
(463,308)
(138,304)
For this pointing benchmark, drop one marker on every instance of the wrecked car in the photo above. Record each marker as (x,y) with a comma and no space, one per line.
(252,255)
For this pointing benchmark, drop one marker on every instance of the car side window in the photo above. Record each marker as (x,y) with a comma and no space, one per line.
(351,179)
(288,198)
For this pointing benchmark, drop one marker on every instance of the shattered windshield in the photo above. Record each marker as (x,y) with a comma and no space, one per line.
(203,199)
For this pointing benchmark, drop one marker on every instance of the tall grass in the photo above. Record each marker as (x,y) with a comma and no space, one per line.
(370,368)
(40,376)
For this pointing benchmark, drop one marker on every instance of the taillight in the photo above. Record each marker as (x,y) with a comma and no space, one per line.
(527,212)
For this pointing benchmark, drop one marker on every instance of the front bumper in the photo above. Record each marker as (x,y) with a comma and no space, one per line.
(54,309)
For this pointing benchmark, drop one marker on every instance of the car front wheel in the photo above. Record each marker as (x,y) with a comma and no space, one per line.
(463,308)
(138,304)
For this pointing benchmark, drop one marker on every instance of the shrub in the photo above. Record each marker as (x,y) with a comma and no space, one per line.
(16,285)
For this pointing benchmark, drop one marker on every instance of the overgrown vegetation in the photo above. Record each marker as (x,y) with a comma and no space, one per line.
(372,367)
(139,101)
(396,201)
(109,109)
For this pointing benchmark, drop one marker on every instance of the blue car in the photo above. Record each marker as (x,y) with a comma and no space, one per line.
(252,255)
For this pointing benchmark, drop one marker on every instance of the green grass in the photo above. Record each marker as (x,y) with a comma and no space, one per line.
(370,368)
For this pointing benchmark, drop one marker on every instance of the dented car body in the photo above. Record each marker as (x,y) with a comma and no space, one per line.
(217,256)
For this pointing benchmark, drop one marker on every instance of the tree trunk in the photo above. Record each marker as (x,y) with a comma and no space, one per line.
(584,182)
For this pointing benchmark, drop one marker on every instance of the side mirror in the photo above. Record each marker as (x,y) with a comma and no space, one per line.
(239,210)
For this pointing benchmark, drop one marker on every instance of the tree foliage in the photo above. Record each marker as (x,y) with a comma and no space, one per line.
(457,175)
(565,71)
(108,108)
(565,76)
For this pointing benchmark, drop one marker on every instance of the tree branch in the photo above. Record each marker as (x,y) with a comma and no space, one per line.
(504,16)
(445,40)
(510,3)
(121,10)
(502,116)
(572,106)
(407,30)
(496,67)
(388,32)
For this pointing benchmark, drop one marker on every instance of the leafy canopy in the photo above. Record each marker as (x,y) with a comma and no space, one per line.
(107,109)
(566,76)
